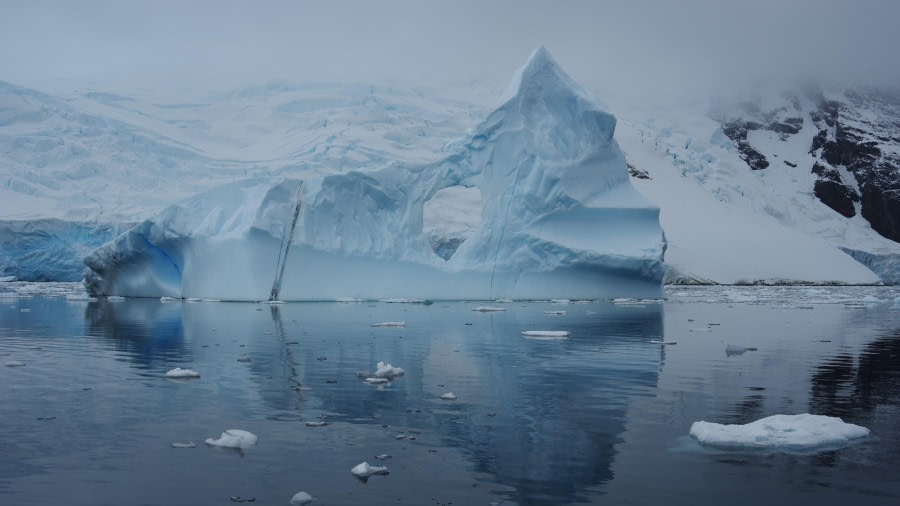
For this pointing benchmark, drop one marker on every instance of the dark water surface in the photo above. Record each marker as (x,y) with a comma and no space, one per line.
(600,417)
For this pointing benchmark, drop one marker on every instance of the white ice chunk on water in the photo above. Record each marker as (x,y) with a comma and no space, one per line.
(15,363)
(234,438)
(385,370)
(449,396)
(546,334)
(559,218)
(488,309)
(167,299)
(656,341)
(364,470)
(189,444)
(555,312)
(180,373)
(80,297)
(377,381)
(115,298)
(347,299)
(732,350)
(389,324)
(792,432)
(403,300)
(301,498)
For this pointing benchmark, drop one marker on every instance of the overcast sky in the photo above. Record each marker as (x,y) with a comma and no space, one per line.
(609,46)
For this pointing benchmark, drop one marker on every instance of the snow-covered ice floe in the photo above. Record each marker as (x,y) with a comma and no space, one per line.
(15,363)
(179,373)
(364,470)
(385,370)
(546,334)
(488,309)
(560,218)
(234,438)
(189,444)
(449,396)
(790,432)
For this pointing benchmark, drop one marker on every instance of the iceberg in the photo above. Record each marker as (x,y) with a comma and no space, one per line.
(234,438)
(559,218)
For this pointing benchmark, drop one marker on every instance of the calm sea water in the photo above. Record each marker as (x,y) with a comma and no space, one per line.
(600,417)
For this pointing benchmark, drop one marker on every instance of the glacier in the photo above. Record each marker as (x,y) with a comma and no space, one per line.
(559,219)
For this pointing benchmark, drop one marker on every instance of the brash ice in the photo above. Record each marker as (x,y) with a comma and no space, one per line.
(559,219)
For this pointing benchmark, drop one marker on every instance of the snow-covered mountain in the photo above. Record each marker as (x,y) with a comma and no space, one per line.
(772,186)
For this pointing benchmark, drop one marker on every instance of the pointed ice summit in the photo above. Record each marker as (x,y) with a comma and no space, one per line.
(559,219)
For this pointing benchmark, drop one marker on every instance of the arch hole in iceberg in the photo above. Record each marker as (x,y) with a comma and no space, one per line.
(450,217)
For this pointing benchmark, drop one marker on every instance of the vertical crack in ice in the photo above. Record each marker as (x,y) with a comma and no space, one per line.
(286,246)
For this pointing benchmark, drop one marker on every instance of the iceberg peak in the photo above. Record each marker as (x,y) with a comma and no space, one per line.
(542,75)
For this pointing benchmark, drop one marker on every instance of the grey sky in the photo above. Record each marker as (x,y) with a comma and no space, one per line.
(629,47)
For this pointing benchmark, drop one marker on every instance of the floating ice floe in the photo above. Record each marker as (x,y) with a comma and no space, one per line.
(448,396)
(656,341)
(503,301)
(167,299)
(546,334)
(245,359)
(9,295)
(385,370)
(790,432)
(377,381)
(272,302)
(555,312)
(320,423)
(560,301)
(115,298)
(15,363)
(180,373)
(26,310)
(403,300)
(234,438)
(193,299)
(364,470)
(488,309)
(733,350)
(383,456)
(189,444)
(347,299)
(389,324)
(301,498)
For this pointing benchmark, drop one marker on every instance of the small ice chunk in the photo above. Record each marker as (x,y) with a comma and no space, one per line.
(193,299)
(448,396)
(364,470)
(189,444)
(182,373)
(301,498)
(560,301)
(167,299)
(15,363)
(804,431)
(115,298)
(212,300)
(316,424)
(656,341)
(245,359)
(555,312)
(488,309)
(26,310)
(389,324)
(385,370)
(503,301)
(546,334)
(377,381)
(400,436)
(383,456)
(732,350)
(347,299)
(272,302)
(234,438)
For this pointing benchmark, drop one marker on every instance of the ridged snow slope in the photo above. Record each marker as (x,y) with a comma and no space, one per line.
(559,219)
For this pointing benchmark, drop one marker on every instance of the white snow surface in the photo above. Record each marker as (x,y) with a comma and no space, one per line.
(560,219)
(804,431)
(234,438)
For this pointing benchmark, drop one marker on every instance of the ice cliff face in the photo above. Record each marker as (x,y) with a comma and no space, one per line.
(559,219)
